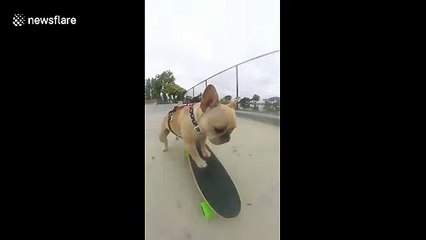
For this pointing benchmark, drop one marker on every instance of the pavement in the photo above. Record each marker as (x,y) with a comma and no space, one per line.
(172,200)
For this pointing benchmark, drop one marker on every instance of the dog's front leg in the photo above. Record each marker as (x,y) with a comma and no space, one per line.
(204,150)
(192,149)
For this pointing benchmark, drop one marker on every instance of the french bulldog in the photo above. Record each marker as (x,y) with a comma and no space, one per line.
(197,122)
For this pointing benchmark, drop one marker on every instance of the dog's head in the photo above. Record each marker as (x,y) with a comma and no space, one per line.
(218,120)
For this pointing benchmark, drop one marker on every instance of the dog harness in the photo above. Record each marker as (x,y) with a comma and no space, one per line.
(191,115)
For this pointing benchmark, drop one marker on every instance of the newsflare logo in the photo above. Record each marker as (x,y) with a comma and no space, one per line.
(19,20)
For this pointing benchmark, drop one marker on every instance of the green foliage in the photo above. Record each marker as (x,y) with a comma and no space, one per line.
(148,87)
(272,104)
(255,98)
(174,91)
(245,102)
(157,86)
(163,87)
(227,99)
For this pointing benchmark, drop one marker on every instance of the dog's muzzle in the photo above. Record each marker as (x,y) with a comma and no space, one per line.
(220,139)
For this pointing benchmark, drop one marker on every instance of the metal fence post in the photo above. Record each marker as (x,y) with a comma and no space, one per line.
(236,75)
(236,81)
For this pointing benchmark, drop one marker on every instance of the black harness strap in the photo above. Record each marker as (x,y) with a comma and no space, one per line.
(191,114)
(194,122)
(169,119)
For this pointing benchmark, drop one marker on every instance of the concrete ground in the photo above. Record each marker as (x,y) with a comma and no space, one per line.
(172,199)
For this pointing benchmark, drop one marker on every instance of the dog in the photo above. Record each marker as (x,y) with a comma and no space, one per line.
(195,122)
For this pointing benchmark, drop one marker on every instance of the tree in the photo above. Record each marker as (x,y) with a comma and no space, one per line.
(164,96)
(163,88)
(245,102)
(197,98)
(255,99)
(188,99)
(272,104)
(159,82)
(148,89)
(227,99)
(276,101)
(157,86)
(166,78)
(174,91)
(181,94)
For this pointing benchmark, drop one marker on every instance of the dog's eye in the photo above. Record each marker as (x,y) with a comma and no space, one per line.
(219,130)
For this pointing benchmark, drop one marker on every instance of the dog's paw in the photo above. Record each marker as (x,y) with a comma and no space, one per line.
(201,164)
(206,153)
(165,149)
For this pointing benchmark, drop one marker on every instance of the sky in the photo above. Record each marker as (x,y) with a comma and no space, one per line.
(198,38)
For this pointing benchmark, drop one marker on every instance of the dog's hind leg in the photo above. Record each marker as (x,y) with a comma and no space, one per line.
(163,135)
(163,139)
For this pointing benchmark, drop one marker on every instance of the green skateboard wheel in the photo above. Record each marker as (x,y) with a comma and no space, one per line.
(185,154)
(207,210)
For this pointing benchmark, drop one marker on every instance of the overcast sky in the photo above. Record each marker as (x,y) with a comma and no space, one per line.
(198,38)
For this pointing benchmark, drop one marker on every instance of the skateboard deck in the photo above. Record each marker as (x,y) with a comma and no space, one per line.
(216,186)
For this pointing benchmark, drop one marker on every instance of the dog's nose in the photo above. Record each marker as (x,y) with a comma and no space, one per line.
(225,138)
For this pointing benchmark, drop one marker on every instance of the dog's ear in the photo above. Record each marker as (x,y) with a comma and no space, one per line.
(233,104)
(210,98)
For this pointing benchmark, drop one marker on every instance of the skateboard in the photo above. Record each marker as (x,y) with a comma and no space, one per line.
(216,187)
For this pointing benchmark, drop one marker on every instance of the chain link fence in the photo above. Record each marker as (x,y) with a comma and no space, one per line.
(255,83)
